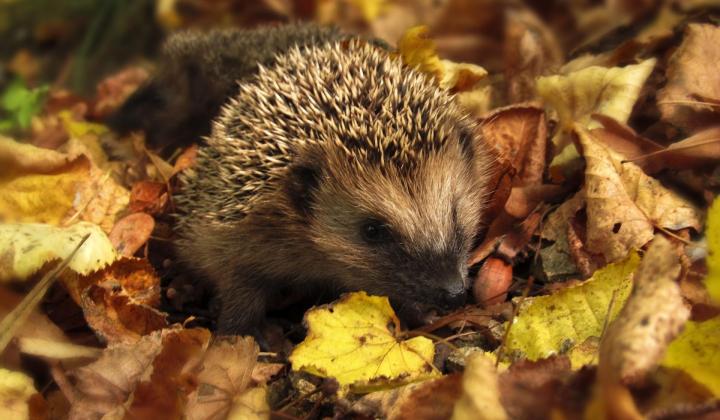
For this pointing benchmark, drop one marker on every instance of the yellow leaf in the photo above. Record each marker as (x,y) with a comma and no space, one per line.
(548,325)
(610,91)
(45,196)
(697,352)
(418,51)
(44,186)
(468,81)
(370,9)
(25,248)
(355,340)
(712,233)
(16,389)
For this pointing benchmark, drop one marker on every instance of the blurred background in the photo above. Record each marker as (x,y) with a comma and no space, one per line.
(74,44)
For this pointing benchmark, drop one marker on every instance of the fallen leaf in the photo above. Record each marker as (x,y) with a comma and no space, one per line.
(431,399)
(712,232)
(593,90)
(119,301)
(519,134)
(467,81)
(19,398)
(553,324)
(653,315)
(480,398)
(68,189)
(530,49)
(131,232)
(146,379)
(623,204)
(25,248)
(149,197)
(693,79)
(356,340)
(530,389)
(112,91)
(250,405)
(697,351)
(225,376)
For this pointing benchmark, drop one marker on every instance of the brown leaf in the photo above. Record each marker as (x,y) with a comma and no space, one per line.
(700,149)
(523,200)
(691,97)
(118,301)
(427,400)
(148,197)
(637,339)
(150,378)
(131,232)
(529,389)
(113,90)
(226,374)
(623,204)
(530,49)
(519,134)
(186,159)
(652,316)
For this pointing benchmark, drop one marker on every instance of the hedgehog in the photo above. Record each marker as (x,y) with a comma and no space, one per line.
(336,167)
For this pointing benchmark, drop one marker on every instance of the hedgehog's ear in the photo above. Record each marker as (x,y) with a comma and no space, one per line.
(302,181)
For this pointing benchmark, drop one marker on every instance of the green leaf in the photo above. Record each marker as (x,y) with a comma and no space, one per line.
(20,104)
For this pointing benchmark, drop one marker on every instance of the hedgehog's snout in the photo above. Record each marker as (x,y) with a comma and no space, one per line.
(451,292)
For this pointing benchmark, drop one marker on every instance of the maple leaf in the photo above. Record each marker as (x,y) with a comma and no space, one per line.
(355,340)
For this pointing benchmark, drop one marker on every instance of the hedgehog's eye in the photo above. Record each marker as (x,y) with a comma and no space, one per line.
(375,232)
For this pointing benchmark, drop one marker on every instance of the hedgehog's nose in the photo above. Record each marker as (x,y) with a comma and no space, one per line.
(453,293)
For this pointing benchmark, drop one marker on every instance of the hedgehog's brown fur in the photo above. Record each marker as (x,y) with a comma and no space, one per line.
(333,141)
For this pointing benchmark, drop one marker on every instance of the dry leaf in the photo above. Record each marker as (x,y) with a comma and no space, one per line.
(149,197)
(131,232)
(652,316)
(519,134)
(18,398)
(480,398)
(225,375)
(427,400)
(530,50)
(118,301)
(636,340)
(548,325)
(150,378)
(693,79)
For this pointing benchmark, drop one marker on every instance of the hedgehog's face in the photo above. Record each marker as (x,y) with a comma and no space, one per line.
(400,233)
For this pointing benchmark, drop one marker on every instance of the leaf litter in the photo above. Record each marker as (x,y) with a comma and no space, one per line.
(596,282)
